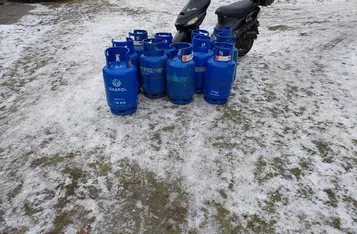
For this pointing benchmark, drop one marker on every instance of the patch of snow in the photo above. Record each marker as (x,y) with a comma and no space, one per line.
(308,67)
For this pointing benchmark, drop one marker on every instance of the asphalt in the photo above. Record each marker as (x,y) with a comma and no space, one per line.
(12,12)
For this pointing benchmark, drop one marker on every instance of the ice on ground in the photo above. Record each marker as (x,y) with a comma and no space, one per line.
(280,157)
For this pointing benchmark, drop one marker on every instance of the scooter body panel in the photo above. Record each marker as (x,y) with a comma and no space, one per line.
(239,25)
(193,9)
(244,24)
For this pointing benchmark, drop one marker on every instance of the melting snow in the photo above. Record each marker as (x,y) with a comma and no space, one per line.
(279,158)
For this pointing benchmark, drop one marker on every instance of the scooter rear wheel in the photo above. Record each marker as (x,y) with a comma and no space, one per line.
(244,45)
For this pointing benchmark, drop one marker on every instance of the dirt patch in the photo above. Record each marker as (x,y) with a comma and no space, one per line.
(232,115)
(305,191)
(170,128)
(51,161)
(274,198)
(14,192)
(78,214)
(131,199)
(276,167)
(335,223)
(332,199)
(102,168)
(2,216)
(215,212)
(350,201)
(156,141)
(279,27)
(135,12)
(149,205)
(332,44)
(223,142)
(20,230)
(324,150)
(76,176)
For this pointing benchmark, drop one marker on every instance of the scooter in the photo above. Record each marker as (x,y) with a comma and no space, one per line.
(242,16)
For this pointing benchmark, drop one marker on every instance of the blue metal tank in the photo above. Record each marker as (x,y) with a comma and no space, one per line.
(230,39)
(226,31)
(201,53)
(120,81)
(199,32)
(180,74)
(219,74)
(167,39)
(129,43)
(153,69)
(138,36)
(134,58)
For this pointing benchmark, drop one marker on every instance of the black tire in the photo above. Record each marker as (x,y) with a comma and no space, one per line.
(244,45)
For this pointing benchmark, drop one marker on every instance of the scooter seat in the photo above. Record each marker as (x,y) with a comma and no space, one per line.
(236,10)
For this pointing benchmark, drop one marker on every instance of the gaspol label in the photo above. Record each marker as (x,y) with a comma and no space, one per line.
(150,70)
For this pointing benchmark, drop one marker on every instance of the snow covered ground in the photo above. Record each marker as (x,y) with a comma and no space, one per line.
(281,157)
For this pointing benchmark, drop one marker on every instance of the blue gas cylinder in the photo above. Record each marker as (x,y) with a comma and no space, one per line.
(120,81)
(180,74)
(167,39)
(226,31)
(138,36)
(153,69)
(199,32)
(129,43)
(230,39)
(201,53)
(134,58)
(219,74)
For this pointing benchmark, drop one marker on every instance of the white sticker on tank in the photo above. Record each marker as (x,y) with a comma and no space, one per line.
(187,58)
(223,58)
(138,43)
